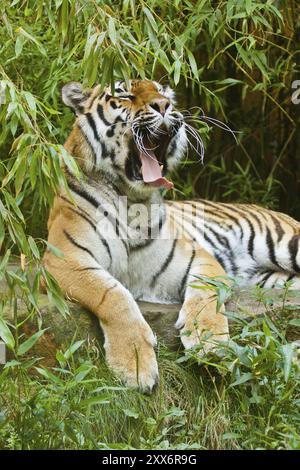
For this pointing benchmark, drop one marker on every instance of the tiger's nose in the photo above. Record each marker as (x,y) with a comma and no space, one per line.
(160,105)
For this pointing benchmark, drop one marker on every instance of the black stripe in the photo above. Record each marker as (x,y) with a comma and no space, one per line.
(89,143)
(165,264)
(224,218)
(89,268)
(84,194)
(155,229)
(249,223)
(271,248)
(161,221)
(249,211)
(211,243)
(278,227)
(246,214)
(290,277)
(88,197)
(113,104)
(221,210)
(101,115)
(293,249)
(243,213)
(251,240)
(74,242)
(217,255)
(106,245)
(83,217)
(147,120)
(184,279)
(221,239)
(147,242)
(265,278)
(116,224)
(93,100)
(93,125)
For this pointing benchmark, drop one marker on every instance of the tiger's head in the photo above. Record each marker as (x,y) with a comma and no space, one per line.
(135,135)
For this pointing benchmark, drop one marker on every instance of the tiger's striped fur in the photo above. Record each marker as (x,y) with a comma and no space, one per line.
(107,274)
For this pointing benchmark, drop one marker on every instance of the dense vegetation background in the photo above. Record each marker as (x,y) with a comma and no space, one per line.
(237,60)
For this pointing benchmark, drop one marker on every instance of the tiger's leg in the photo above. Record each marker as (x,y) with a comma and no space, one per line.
(198,318)
(270,279)
(129,340)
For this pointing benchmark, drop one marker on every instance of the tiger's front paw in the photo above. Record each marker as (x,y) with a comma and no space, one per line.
(200,324)
(132,357)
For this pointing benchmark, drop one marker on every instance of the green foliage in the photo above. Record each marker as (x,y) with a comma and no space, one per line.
(244,396)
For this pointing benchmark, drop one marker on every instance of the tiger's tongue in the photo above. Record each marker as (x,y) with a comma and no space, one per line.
(151,171)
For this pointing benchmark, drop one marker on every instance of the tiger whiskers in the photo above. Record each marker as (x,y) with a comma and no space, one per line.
(199,142)
(191,132)
(213,121)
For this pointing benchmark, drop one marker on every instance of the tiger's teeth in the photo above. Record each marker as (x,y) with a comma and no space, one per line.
(161,167)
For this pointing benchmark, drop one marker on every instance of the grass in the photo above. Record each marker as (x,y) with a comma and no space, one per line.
(245,396)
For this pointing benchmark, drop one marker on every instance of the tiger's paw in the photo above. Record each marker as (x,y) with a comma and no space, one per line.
(134,359)
(202,327)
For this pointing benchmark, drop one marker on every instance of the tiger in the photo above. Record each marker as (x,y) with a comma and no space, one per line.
(126,139)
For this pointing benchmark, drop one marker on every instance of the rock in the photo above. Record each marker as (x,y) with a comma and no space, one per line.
(81,324)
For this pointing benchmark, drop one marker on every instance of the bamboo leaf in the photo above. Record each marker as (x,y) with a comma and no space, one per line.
(6,335)
(112,30)
(30,342)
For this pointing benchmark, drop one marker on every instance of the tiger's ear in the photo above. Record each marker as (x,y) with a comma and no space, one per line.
(75,97)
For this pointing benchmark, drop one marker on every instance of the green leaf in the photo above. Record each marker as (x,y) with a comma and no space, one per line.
(112,30)
(6,335)
(99,400)
(229,81)
(31,102)
(64,19)
(244,55)
(131,413)
(30,342)
(19,45)
(2,231)
(248,6)
(193,64)
(177,69)
(32,39)
(69,161)
(11,201)
(82,372)
(12,363)
(231,435)
(33,247)
(20,176)
(295,322)
(72,349)
(164,60)
(48,375)
(3,263)
(56,251)
(150,18)
(287,352)
(242,379)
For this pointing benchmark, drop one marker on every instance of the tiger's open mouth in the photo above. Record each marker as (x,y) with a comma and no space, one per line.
(152,158)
